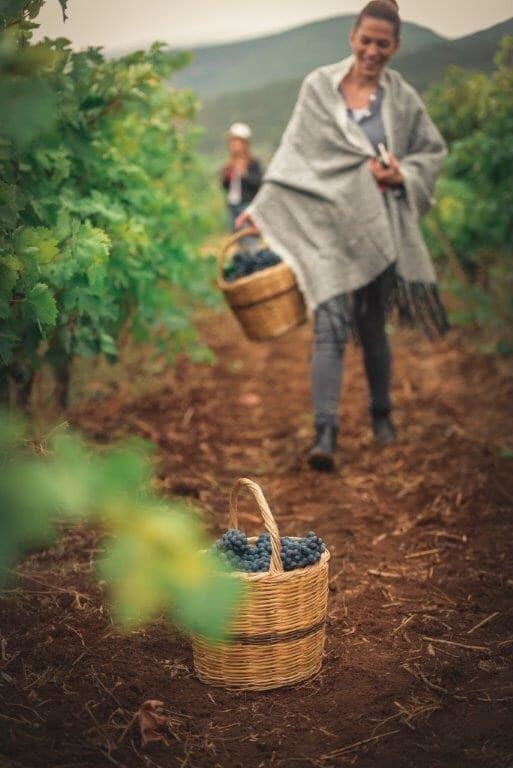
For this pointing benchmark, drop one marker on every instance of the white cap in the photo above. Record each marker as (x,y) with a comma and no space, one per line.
(239,131)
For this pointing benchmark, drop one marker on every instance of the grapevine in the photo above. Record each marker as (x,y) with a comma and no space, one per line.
(470,230)
(103,204)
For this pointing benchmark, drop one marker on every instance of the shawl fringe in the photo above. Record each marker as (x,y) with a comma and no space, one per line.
(415,305)
(419,305)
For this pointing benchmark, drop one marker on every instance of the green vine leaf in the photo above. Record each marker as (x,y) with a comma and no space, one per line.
(43,304)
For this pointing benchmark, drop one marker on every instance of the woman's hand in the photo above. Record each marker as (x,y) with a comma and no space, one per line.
(244,220)
(389,177)
(239,165)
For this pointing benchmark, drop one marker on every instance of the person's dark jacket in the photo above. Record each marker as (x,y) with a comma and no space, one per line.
(250,181)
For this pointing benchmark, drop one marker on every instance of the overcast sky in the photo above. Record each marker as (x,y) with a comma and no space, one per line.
(128,23)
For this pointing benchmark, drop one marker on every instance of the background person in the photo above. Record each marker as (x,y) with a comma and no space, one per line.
(242,175)
(347,225)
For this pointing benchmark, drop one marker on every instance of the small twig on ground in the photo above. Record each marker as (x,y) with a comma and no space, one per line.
(422,676)
(14,719)
(54,588)
(79,658)
(416,711)
(108,746)
(403,623)
(450,536)
(423,553)
(387,720)
(144,759)
(183,762)
(384,574)
(128,726)
(104,687)
(438,591)
(458,645)
(495,701)
(77,633)
(483,622)
(433,686)
(355,744)
(335,577)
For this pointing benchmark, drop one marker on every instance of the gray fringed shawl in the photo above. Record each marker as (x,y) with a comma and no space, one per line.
(320,208)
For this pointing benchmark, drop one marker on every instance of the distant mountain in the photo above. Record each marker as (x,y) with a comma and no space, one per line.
(231,68)
(474,51)
(267,109)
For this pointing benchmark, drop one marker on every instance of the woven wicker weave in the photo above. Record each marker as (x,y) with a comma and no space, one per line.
(277,637)
(267,303)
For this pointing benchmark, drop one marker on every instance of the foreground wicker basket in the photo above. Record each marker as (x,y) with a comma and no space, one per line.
(267,303)
(277,637)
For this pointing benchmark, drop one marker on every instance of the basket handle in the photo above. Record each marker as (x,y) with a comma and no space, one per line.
(276,565)
(223,253)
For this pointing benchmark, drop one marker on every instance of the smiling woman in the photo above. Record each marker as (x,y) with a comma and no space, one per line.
(341,203)
(376,36)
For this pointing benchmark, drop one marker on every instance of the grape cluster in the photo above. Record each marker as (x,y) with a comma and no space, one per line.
(239,554)
(244,264)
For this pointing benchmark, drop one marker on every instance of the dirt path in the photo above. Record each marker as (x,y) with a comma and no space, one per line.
(418,668)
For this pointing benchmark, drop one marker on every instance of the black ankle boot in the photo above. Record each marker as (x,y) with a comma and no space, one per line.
(321,455)
(383,428)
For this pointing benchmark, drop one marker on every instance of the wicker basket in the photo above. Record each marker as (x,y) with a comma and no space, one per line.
(267,303)
(277,637)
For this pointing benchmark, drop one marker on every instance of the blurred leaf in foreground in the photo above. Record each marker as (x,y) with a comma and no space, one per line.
(155,558)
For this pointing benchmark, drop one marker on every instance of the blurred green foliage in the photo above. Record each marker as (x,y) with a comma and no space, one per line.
(471,227)
(103,205)
(153,559)
(103,201)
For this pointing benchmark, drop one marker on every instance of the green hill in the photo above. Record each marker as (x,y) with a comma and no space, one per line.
(474,51)
(268,108)
(221,69)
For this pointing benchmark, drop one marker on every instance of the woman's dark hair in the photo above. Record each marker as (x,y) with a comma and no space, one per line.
(387,10)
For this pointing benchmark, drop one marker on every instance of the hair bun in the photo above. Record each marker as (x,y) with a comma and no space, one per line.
(388,10)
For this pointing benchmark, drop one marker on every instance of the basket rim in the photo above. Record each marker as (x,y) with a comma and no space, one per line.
(281,575)
(241,281)
(266,338)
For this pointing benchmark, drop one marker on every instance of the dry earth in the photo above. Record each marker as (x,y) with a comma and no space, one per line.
(418,668)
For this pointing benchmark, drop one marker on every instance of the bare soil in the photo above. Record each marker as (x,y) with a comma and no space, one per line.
(418,668)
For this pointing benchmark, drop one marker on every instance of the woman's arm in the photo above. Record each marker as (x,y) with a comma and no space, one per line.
(225,176)
(244,221)
(253,177)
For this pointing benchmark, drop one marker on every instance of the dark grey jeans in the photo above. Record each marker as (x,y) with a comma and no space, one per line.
(366,309)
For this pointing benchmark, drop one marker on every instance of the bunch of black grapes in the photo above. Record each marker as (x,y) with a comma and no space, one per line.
(239,554)
(244,263)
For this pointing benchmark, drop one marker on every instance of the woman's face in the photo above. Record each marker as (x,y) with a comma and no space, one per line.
(373,43)
(238,147)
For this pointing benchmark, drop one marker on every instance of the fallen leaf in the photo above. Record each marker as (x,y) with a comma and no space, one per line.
(150,719)
(250,399)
